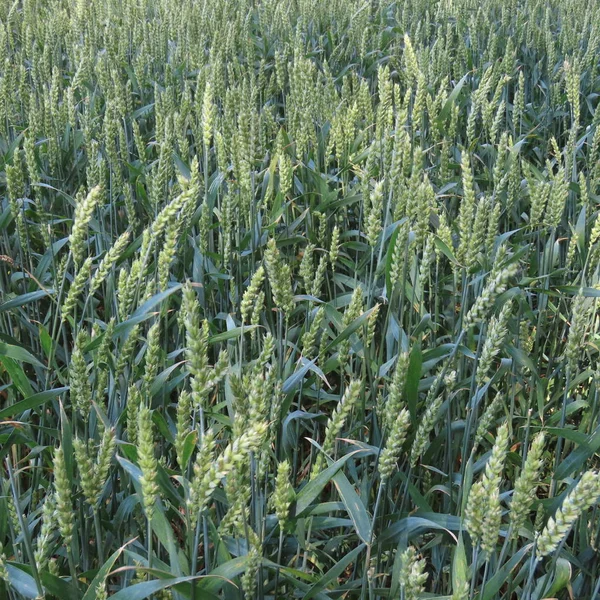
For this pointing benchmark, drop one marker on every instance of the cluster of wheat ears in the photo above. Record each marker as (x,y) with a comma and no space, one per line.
(298,299)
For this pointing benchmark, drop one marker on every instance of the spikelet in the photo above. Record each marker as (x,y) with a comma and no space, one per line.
(461,592)
(127,349)
(81,278)
(483,513)
(169,213)
(93,473)
(14,510)
(426,426)
(519,103)
(134,401)
(197,346)
(396,438)
(394,402)
(319,278)
(467,209)
(412,574)
(334,248)
(283,493)
(373,228)
(279,273)
(152,358)
(251,293)
(202,464)
(352,312)
(526,485)
(205,481)
(372,324)
(147,462)
(494,287)
(336,422)
(83,214)
(307,266)
(43,539)
(410,60)
(557,201)
(108,262)
(167,254)
(102,362)
(3,569)
(424,269)
(487,418)
(495,465)
(183,428)
(475,511)
(476,239)
(248,579)
(309,339)
(208,116)
(101,592)
(584,495)
(496,334)
(64,505)
(80,388)
(579,324)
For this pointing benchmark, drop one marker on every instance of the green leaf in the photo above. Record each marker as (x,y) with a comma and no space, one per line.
(22,582)
(24,299)
(18,353)
(231,334)
(313,488)
(460,567)
(140,591)
(164,533)
(224,573)
(445,112)
(419,523)
(161,379)
(412,381)
(356,324)
(61,588)
(502,575)
(443,248)
(145,311)
(18,376)
(563,572)
(334,572)
(103,573)
(188,447)
(355,507)
(160,525)
(577,458)
(31,402)
(294,379)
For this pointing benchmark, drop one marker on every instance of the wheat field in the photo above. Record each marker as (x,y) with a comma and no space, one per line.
(298,299)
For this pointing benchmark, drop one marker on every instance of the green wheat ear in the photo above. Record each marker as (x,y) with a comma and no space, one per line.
(412,574)
(585,494)
(283,494)
(526,485)
(396,438)
(3,569)
(147,461)
(64,504)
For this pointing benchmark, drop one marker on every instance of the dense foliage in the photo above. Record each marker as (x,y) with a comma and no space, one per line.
(299,299)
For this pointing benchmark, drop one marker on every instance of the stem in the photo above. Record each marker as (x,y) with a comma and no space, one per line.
(371,536)
(72,569)
(149,542)
(474,571)
(98,536)
(279,554)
